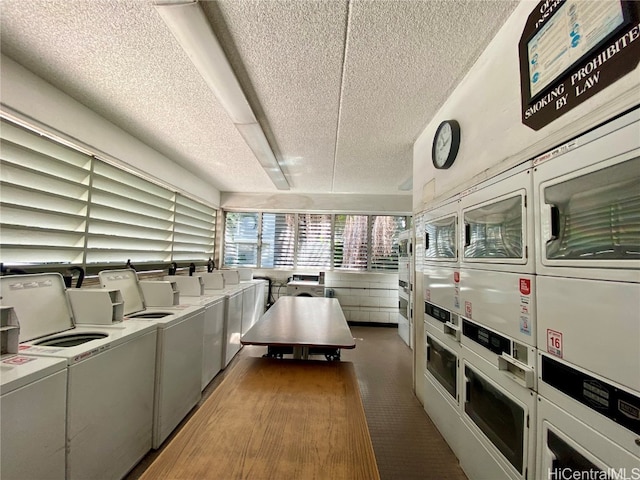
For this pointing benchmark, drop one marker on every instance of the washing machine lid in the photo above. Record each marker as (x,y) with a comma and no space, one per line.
(40,303)
(125,280)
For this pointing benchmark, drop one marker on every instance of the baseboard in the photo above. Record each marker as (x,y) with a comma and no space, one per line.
(372,324)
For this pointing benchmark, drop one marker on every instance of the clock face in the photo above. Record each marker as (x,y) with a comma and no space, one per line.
(445,144)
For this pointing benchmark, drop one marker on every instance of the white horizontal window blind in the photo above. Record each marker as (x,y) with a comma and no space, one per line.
(241,239)
(60,207)
(301,240)
(314,247)
(277,240)
(384,241)
(44,189)
(130,218)
(194,231)
(350,237)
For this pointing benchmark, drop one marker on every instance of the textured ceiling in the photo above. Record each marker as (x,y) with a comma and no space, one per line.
(341,88)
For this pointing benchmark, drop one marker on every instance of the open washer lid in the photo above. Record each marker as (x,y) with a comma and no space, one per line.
(125,280)
(40,303)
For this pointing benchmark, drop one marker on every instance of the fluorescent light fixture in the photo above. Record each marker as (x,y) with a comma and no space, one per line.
(188,23)
(254,136)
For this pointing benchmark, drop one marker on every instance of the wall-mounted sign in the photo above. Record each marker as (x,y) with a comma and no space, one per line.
(572,49)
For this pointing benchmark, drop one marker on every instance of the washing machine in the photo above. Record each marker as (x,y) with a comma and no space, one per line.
(33,415)
(110,374)
(588,282)
(180,328)
(442,384)
(497,281)
(304,285)
(498,405)
(214,284)
(586,423)
(192,292)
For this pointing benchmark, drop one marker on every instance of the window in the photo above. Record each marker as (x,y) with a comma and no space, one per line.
(384,241)
(351,242)
(289,240)
(314,240)
(130,218)
(278,237)
(241,240)
(61,207)
(194,231)
(44,193)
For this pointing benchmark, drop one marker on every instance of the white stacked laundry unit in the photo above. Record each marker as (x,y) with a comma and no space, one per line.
(497,307)
(588,316)
(405,322)
(441,276)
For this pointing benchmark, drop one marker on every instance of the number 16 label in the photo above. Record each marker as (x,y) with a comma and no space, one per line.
(554,343)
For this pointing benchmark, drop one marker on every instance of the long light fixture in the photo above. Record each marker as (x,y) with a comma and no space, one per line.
(188,23)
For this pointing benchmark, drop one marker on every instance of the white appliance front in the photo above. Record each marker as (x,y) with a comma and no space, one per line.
(261,298)
(572,446)
(609,408)
(502,301)
(588,199)
(498,418)
(248,306)
(212,339)
(109,376)
(497,223)
(178,373)
(441,233)
(233,326)
(178,367)
(442,294)
(593,324)
(442,385)
(33,414)
(232,321)
(404,313)
(305,288)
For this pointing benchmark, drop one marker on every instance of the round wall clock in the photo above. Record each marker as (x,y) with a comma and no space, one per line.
(446,143)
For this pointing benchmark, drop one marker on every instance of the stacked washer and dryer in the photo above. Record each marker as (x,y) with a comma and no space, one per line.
(588,279)
(405,288)
(533,341)
(441,272)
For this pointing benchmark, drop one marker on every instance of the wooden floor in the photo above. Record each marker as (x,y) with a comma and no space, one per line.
(407,445)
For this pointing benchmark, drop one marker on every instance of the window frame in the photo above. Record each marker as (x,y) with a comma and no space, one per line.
(371,265)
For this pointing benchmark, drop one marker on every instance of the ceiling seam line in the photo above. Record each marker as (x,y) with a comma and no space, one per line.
(344,62)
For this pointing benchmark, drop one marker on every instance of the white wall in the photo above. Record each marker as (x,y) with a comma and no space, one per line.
(31,98)
(353,203)
(487,106)
(365,297)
